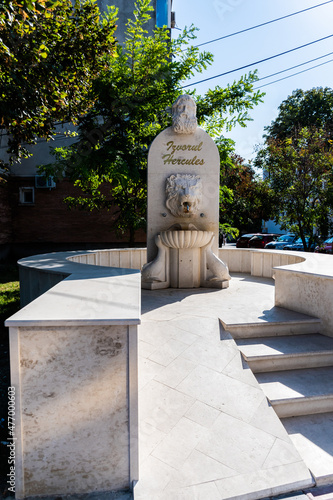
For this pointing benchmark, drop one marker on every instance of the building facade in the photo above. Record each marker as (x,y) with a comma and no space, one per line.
(33,215)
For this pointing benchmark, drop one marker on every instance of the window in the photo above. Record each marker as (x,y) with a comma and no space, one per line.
(27,195)
(162,13)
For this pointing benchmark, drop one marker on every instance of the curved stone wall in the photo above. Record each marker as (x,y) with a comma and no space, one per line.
(303,282)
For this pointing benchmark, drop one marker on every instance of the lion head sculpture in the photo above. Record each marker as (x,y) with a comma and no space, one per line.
(183,194)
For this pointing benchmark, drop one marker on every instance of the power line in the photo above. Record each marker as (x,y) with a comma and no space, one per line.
(258,62)
(294,74)
(262,24)
(296,66)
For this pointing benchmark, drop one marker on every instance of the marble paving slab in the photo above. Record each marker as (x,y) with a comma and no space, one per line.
(206,428)
(313,437)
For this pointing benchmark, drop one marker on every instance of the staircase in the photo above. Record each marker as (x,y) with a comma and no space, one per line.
(293,363)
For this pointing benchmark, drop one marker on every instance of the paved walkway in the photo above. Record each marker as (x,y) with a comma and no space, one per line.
(206,429)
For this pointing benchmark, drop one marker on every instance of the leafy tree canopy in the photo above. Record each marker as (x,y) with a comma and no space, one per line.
(245,199)
(299,170)
(132,97)
(311,108)
(50,53)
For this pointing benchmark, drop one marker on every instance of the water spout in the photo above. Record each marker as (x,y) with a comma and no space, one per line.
(187,207)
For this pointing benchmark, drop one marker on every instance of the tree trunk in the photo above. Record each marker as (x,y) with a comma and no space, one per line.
(131,236)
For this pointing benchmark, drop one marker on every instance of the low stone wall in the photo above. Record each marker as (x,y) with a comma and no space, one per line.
(73,355)
(310,271)
(39,273)
(74,414)
(257,262)
(131,258)
(308,289)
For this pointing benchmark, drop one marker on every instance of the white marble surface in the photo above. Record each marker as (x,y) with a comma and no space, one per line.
(308,287)
(287,352)
(313,437)
(174,153)
(304,383)
(206,428)
(91,294)
(285,345)
(73,409)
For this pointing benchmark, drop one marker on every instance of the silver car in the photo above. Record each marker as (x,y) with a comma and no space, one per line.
(281,242)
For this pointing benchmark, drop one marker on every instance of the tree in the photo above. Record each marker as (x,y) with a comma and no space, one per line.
(132,97)
(300,172)
(50,53)
(312,108)
(245,199)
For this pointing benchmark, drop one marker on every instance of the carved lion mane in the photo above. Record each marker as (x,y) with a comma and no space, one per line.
(183,194)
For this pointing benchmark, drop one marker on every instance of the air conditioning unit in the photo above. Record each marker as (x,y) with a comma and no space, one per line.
(41,181)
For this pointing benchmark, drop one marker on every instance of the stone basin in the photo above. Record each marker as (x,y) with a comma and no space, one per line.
(186,238)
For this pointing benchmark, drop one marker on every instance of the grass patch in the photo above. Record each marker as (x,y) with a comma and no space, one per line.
(9,298)
(9,292)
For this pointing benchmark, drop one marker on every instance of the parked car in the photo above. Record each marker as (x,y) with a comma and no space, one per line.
(243,241)
(260,240)
(298,245)
(285,239)
(326,246)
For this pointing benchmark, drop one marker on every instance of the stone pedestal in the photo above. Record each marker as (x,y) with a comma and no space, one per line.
(185,267)
(72,408)
(185,260)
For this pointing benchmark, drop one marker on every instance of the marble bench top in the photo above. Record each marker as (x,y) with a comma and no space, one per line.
(89,294)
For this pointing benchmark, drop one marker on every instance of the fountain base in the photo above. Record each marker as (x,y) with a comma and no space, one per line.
(185,260)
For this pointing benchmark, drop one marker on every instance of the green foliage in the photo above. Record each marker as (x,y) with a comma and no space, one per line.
(311,108)
(223,108)
(133,95)
(9,298)
(297,157)
(245,200)
(50,53)
(228,230)
(300,172)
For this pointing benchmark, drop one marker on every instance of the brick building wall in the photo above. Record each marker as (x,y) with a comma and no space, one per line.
(47,224)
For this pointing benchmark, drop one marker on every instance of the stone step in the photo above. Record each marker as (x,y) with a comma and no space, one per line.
(299,392)
(313,438)
(268,354)
(275,322)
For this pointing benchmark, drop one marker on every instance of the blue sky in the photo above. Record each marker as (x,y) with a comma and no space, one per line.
(216,18)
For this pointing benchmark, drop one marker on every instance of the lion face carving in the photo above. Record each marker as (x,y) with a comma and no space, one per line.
(183,194)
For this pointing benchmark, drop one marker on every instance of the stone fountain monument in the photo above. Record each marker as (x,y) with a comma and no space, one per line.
(183,206)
